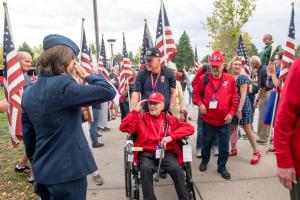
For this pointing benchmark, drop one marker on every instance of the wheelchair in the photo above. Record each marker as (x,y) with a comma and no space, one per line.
(133,177)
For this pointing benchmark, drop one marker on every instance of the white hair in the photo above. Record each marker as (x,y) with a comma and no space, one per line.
(255,59)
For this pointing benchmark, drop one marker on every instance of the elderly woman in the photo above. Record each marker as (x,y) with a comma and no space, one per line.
(150,128)
(51,120)
(179,110)
(243,115)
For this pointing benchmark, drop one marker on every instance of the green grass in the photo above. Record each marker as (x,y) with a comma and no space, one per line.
(12,185)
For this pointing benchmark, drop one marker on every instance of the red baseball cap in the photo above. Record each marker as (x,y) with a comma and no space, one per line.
(156,97)
(216,59)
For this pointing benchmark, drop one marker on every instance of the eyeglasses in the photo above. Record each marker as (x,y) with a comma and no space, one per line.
(149,60)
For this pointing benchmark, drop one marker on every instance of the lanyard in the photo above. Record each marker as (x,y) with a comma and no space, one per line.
(213,87)
(159,130)
(154,84)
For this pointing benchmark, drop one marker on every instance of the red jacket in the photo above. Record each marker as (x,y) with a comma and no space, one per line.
(287,123)
(140,123)
(227,97)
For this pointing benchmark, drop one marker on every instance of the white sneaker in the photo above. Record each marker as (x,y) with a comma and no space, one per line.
(215,151)
(198,153)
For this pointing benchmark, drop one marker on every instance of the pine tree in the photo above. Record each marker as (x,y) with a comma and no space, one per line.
(185,53)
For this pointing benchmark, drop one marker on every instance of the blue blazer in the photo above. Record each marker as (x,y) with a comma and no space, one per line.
(51,121)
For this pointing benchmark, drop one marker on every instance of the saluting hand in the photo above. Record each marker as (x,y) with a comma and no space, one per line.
(80,71)
(139,106)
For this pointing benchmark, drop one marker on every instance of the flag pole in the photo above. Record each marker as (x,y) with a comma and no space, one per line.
(163,29)
(96,28)
(81,40)
(271,131)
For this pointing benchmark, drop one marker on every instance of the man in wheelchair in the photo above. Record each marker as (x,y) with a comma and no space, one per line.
(157,133)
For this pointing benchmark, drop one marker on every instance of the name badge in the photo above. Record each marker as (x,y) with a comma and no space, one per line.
(187,153)
(162,79)
(159,153)
(213,103)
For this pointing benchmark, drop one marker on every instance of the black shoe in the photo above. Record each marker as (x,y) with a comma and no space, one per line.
(30,180)
(203,167)
(106,129)
(25,169)
(163,174)
(225,174)
(97,145)
(99,135)
(260,141)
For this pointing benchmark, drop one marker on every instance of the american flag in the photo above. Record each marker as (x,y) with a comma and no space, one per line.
(196,65)
(102,64)
(86,64)
(14,82)
(85,54)
(289,50)
(147,42)
(235,135)
(126,70)
(241,51)
(164,37)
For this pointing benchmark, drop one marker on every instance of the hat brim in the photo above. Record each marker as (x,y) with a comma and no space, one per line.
(217,64)
(155,101)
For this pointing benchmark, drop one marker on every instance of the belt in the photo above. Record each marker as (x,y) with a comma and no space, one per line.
(268,89)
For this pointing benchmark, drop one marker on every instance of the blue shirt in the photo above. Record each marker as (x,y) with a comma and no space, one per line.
(165,82)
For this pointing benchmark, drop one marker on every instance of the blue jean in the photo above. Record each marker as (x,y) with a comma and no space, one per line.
(199,141)
(94,125)
(210,134)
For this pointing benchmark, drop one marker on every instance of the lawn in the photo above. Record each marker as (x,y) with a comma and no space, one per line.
(12,185)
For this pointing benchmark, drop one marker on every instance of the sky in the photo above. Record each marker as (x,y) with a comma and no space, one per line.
(32,20)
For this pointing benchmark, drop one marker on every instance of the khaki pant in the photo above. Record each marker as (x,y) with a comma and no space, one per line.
(295,193)
(262,130)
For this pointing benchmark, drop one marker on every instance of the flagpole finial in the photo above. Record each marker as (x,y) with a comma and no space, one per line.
(292,2)
(4,3)
(83,19)
(145,20)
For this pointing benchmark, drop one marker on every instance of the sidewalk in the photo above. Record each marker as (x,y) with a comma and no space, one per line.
(257,182)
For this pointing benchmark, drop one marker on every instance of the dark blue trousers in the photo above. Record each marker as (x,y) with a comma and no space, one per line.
(74,190)
(211,133)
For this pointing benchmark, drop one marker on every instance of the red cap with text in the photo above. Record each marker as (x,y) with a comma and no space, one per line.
(156,97)
(216,59)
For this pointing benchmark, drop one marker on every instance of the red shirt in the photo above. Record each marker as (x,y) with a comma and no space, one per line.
(226,96)
(287,122)
(150,131)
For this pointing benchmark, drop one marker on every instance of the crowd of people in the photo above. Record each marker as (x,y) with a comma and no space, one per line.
(154,109)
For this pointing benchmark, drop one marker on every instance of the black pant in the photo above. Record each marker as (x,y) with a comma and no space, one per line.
(170,164)
(74,190)
(295,192)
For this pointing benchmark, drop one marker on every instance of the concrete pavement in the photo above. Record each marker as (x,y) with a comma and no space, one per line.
(257,182)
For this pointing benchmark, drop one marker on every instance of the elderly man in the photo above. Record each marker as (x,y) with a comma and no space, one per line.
(261,97)
(155,78)
(150,130)
(287,133)
(268,54)
(25,60)
(216,96)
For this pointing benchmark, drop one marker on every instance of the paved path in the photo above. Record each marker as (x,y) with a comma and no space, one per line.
(248,182)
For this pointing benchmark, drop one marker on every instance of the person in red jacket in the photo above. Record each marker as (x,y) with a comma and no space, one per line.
(149,128)
(217,102)
(287,133)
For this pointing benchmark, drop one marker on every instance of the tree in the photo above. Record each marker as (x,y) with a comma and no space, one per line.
(205,59)
(250,47)
(36,53)
(298,51)
(93,48)
(1,57)
(185,53)
(226,22)
(25,47)
(133,59)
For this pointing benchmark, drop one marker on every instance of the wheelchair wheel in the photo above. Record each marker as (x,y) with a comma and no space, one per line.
(189,181)
(127,170)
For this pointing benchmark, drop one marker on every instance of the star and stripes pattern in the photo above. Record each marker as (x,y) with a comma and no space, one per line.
(126,70)
(164,37)
(196,64)
(14,82)
(85,62)
(147,42)
(241,51)
(102,64)
(85,54)
(289,50)
(235,135)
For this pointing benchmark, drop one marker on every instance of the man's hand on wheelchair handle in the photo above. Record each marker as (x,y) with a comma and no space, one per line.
(165,141)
